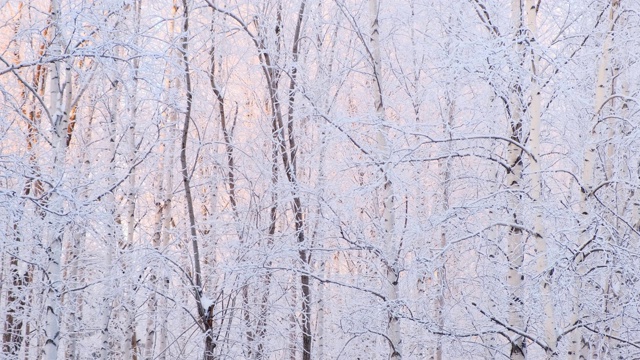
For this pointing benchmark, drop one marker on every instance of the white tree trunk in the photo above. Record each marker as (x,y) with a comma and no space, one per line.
(167,174)
(579,347)
(166,228)
(111,235)
(59,108)
(129,350)
(74,300)
(152,302)
(439,274)
(515,238)
(388,211)
(130,224)
(515,244)
(617,161)
(541,252)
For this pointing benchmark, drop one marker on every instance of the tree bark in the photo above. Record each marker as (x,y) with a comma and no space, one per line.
(204,314)
(579,345)
(541,252)
(388,209)
(60,107)
(112,235)
(128,344)
(515,238)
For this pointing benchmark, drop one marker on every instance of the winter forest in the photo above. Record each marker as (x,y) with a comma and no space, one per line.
(319,179)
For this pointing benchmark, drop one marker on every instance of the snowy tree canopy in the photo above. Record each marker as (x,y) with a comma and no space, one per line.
(271,179)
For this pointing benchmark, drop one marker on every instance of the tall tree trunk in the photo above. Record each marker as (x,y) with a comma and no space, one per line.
(291,169)
(75,273)
(320,258)
(112,233)
(19,272)
(440,272)
(152,302)
(616,162)
(129,350)
(388,209)
(542,263)
(59,109)
(75,299)
(166,229)
(622,201)
(515,238)
(161,324)
(579,345)
(204,313)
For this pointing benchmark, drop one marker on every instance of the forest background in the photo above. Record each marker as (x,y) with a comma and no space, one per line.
(275,179)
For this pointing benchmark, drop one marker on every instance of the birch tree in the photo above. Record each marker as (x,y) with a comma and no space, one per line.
(578,342)
(59,110)
(273,179)
(388,197)
(541,248)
